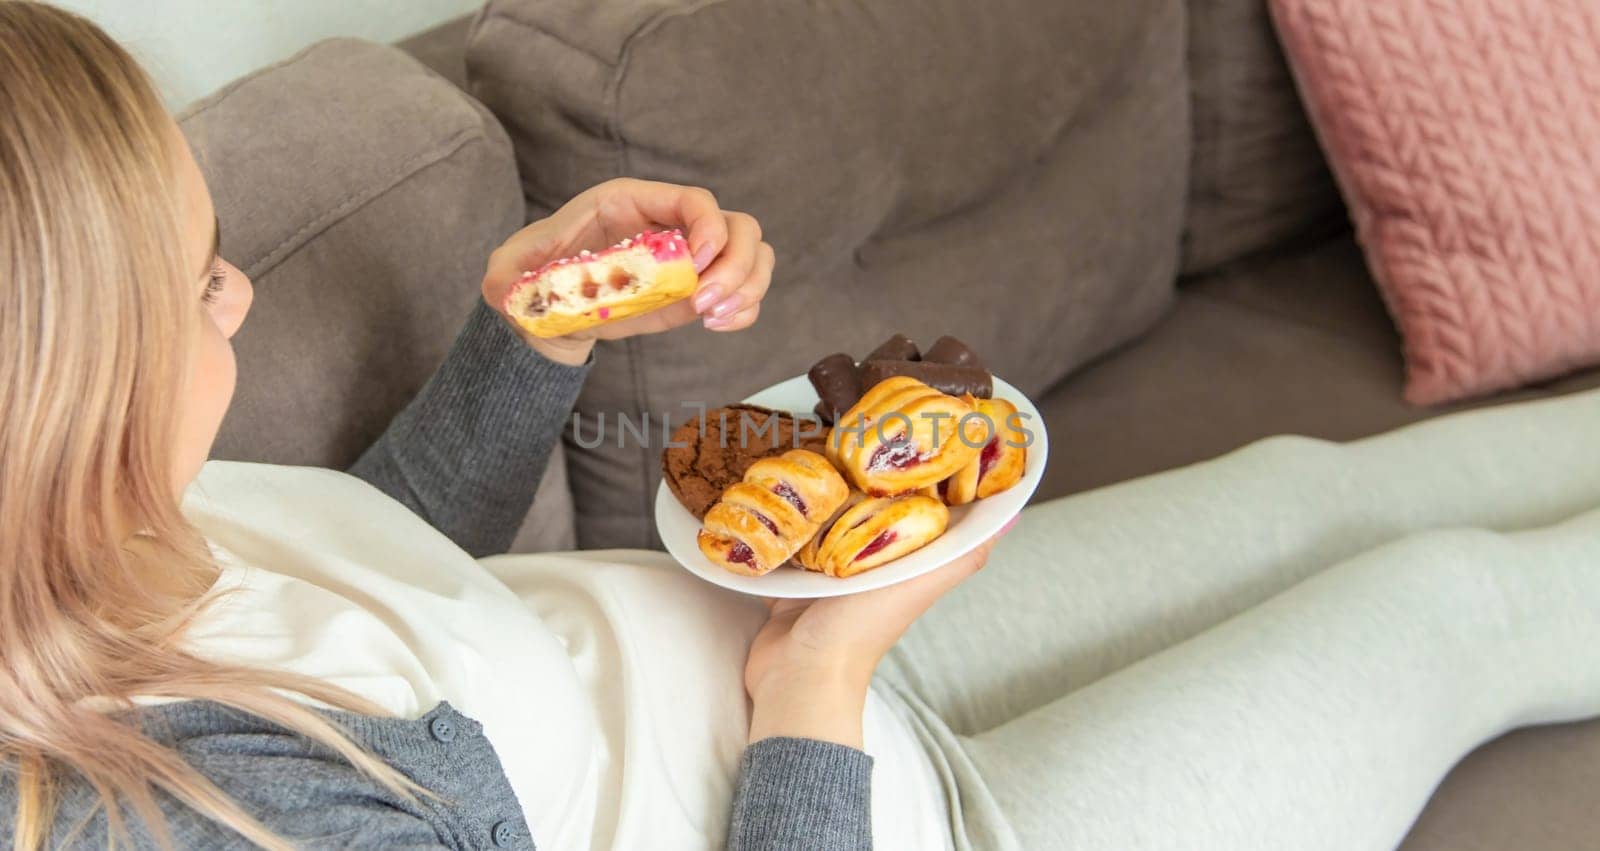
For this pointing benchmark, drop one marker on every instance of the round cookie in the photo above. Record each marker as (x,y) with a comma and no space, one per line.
(709,453)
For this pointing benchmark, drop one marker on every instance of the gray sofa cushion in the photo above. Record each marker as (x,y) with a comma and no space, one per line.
(362,193)
(1014,177)
(1258,176)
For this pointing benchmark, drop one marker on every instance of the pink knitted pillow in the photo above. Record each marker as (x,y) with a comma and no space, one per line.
(1466,138)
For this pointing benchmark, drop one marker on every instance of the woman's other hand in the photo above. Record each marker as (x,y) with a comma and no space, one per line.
(810,665)
(735,265)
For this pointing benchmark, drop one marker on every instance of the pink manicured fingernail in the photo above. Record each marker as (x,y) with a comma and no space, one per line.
(1010,524)
(703,257)
(727,307)
(715,324)
(707,296)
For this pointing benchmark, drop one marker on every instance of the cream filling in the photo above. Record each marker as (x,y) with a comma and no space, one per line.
(581,287)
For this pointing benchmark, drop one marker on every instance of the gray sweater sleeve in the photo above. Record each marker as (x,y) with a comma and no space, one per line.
(802,793)
(468,452)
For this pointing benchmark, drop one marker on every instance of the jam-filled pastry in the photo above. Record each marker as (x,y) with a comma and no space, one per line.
(999,464)
(807,556)
(763,520)
(874,532)
(851,427)
(637,275)
(903,436)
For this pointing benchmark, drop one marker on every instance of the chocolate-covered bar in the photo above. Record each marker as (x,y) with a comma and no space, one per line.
(898,347)
(952,351)
(943,377)
(837,385)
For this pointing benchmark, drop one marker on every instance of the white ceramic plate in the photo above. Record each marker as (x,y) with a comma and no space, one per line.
(969,526)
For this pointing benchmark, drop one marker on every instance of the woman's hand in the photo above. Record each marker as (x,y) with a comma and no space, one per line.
(735,266)
(810,665)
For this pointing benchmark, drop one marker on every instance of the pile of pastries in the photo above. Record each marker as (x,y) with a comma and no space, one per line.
(912,434)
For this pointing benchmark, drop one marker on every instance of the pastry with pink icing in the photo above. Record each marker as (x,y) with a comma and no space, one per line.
(637,275)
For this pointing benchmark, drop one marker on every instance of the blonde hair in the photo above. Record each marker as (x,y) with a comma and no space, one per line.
(94,309)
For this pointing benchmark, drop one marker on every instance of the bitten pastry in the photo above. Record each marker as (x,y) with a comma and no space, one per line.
(762,521)
(999,464)
(903,436)
(874,532)
(634,276)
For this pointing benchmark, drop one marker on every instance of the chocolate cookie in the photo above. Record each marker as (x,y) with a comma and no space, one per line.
(709,453)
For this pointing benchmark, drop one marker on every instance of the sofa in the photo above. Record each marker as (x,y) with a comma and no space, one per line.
(1121,205)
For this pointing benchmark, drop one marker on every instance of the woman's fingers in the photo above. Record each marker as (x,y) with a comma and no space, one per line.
(942,580)
(735,322)
(722,284)
(786,605)
(739,310)
(903,603)
(528,248)
(953,574)
(628,205)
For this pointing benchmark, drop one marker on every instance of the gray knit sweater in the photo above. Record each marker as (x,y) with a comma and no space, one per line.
(466,455)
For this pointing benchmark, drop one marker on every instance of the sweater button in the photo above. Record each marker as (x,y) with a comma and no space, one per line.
(442,729)
(504,834)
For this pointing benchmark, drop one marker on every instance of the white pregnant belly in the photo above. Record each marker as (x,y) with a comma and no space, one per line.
(661,654)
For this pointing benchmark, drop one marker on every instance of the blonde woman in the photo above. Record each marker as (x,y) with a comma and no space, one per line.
(323,664)
(244,655)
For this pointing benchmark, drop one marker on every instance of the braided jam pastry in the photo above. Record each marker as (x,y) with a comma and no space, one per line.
(873,532)
(807,556)
(636,275)
(763,520)
(999,464)
(902,436)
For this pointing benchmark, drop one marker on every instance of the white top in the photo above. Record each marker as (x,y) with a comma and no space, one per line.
(609,683)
